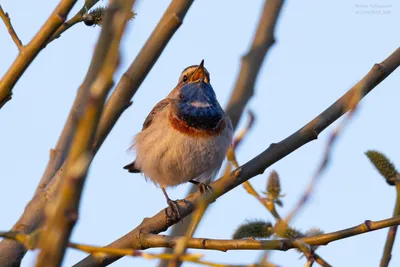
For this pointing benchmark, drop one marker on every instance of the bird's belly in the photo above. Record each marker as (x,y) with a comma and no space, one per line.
(169,157)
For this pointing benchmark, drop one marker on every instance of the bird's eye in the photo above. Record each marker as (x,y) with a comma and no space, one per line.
(185,78)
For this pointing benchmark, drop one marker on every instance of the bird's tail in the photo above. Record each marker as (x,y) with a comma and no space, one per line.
(131,168)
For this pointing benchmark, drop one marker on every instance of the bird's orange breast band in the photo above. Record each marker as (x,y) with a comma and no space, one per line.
(183,127)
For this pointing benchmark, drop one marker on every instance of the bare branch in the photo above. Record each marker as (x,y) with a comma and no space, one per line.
(257,165)
(62,213)
(253,59)
(7,21)
(325,159)
(32,49)
(387,251)
(195,258)
(155,241)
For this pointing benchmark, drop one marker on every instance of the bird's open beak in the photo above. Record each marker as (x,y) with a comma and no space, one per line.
(199,73)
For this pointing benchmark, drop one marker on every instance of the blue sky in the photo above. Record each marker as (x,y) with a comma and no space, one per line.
(322,49)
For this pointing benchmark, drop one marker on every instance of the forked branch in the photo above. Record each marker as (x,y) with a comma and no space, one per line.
(32,49)
(7,21)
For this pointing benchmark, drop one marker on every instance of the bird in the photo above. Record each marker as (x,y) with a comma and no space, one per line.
(185,137)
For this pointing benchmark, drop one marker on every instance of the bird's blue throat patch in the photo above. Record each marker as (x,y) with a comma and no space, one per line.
(198,106)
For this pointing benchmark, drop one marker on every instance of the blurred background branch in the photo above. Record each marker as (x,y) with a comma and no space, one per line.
(250,67)
(62,212)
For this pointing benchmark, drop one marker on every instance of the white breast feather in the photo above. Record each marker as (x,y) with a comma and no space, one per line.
(169,157)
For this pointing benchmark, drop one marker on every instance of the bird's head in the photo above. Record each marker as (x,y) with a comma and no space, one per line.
(195,97)
(195,73)
(194,85)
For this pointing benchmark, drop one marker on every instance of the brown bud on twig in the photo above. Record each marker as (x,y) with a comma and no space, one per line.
(383,165)
(274,188)
(96,16)
(273,185)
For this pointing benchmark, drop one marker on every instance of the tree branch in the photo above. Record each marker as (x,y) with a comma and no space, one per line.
(257,165)
(62,213)
(387,251)
(28,241)
(253,59)
(155,241)
(32,49)
(7,21)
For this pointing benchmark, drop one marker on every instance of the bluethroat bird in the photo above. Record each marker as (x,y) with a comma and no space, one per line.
(185,137)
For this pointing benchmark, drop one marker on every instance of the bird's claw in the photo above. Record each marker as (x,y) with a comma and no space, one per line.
(204,188)
(175,214)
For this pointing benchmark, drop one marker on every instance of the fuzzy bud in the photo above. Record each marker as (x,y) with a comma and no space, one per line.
(292,233)
(273,185)
(255,229)
(383,165)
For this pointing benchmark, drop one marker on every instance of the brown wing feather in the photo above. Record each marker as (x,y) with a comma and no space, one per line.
(159,107)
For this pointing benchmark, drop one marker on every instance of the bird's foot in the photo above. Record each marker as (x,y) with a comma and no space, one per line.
(202,187)
(174,208)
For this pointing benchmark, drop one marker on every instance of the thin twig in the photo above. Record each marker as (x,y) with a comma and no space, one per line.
(155,241)
(7,21)
(62,213)
(74,20)
(32,49)
(194,258)
(324,162)
(387,251)
(253,59)
(257,165)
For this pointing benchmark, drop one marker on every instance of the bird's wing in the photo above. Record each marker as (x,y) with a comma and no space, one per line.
(159,107)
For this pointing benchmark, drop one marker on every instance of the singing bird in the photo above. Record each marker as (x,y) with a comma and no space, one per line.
(185,137)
